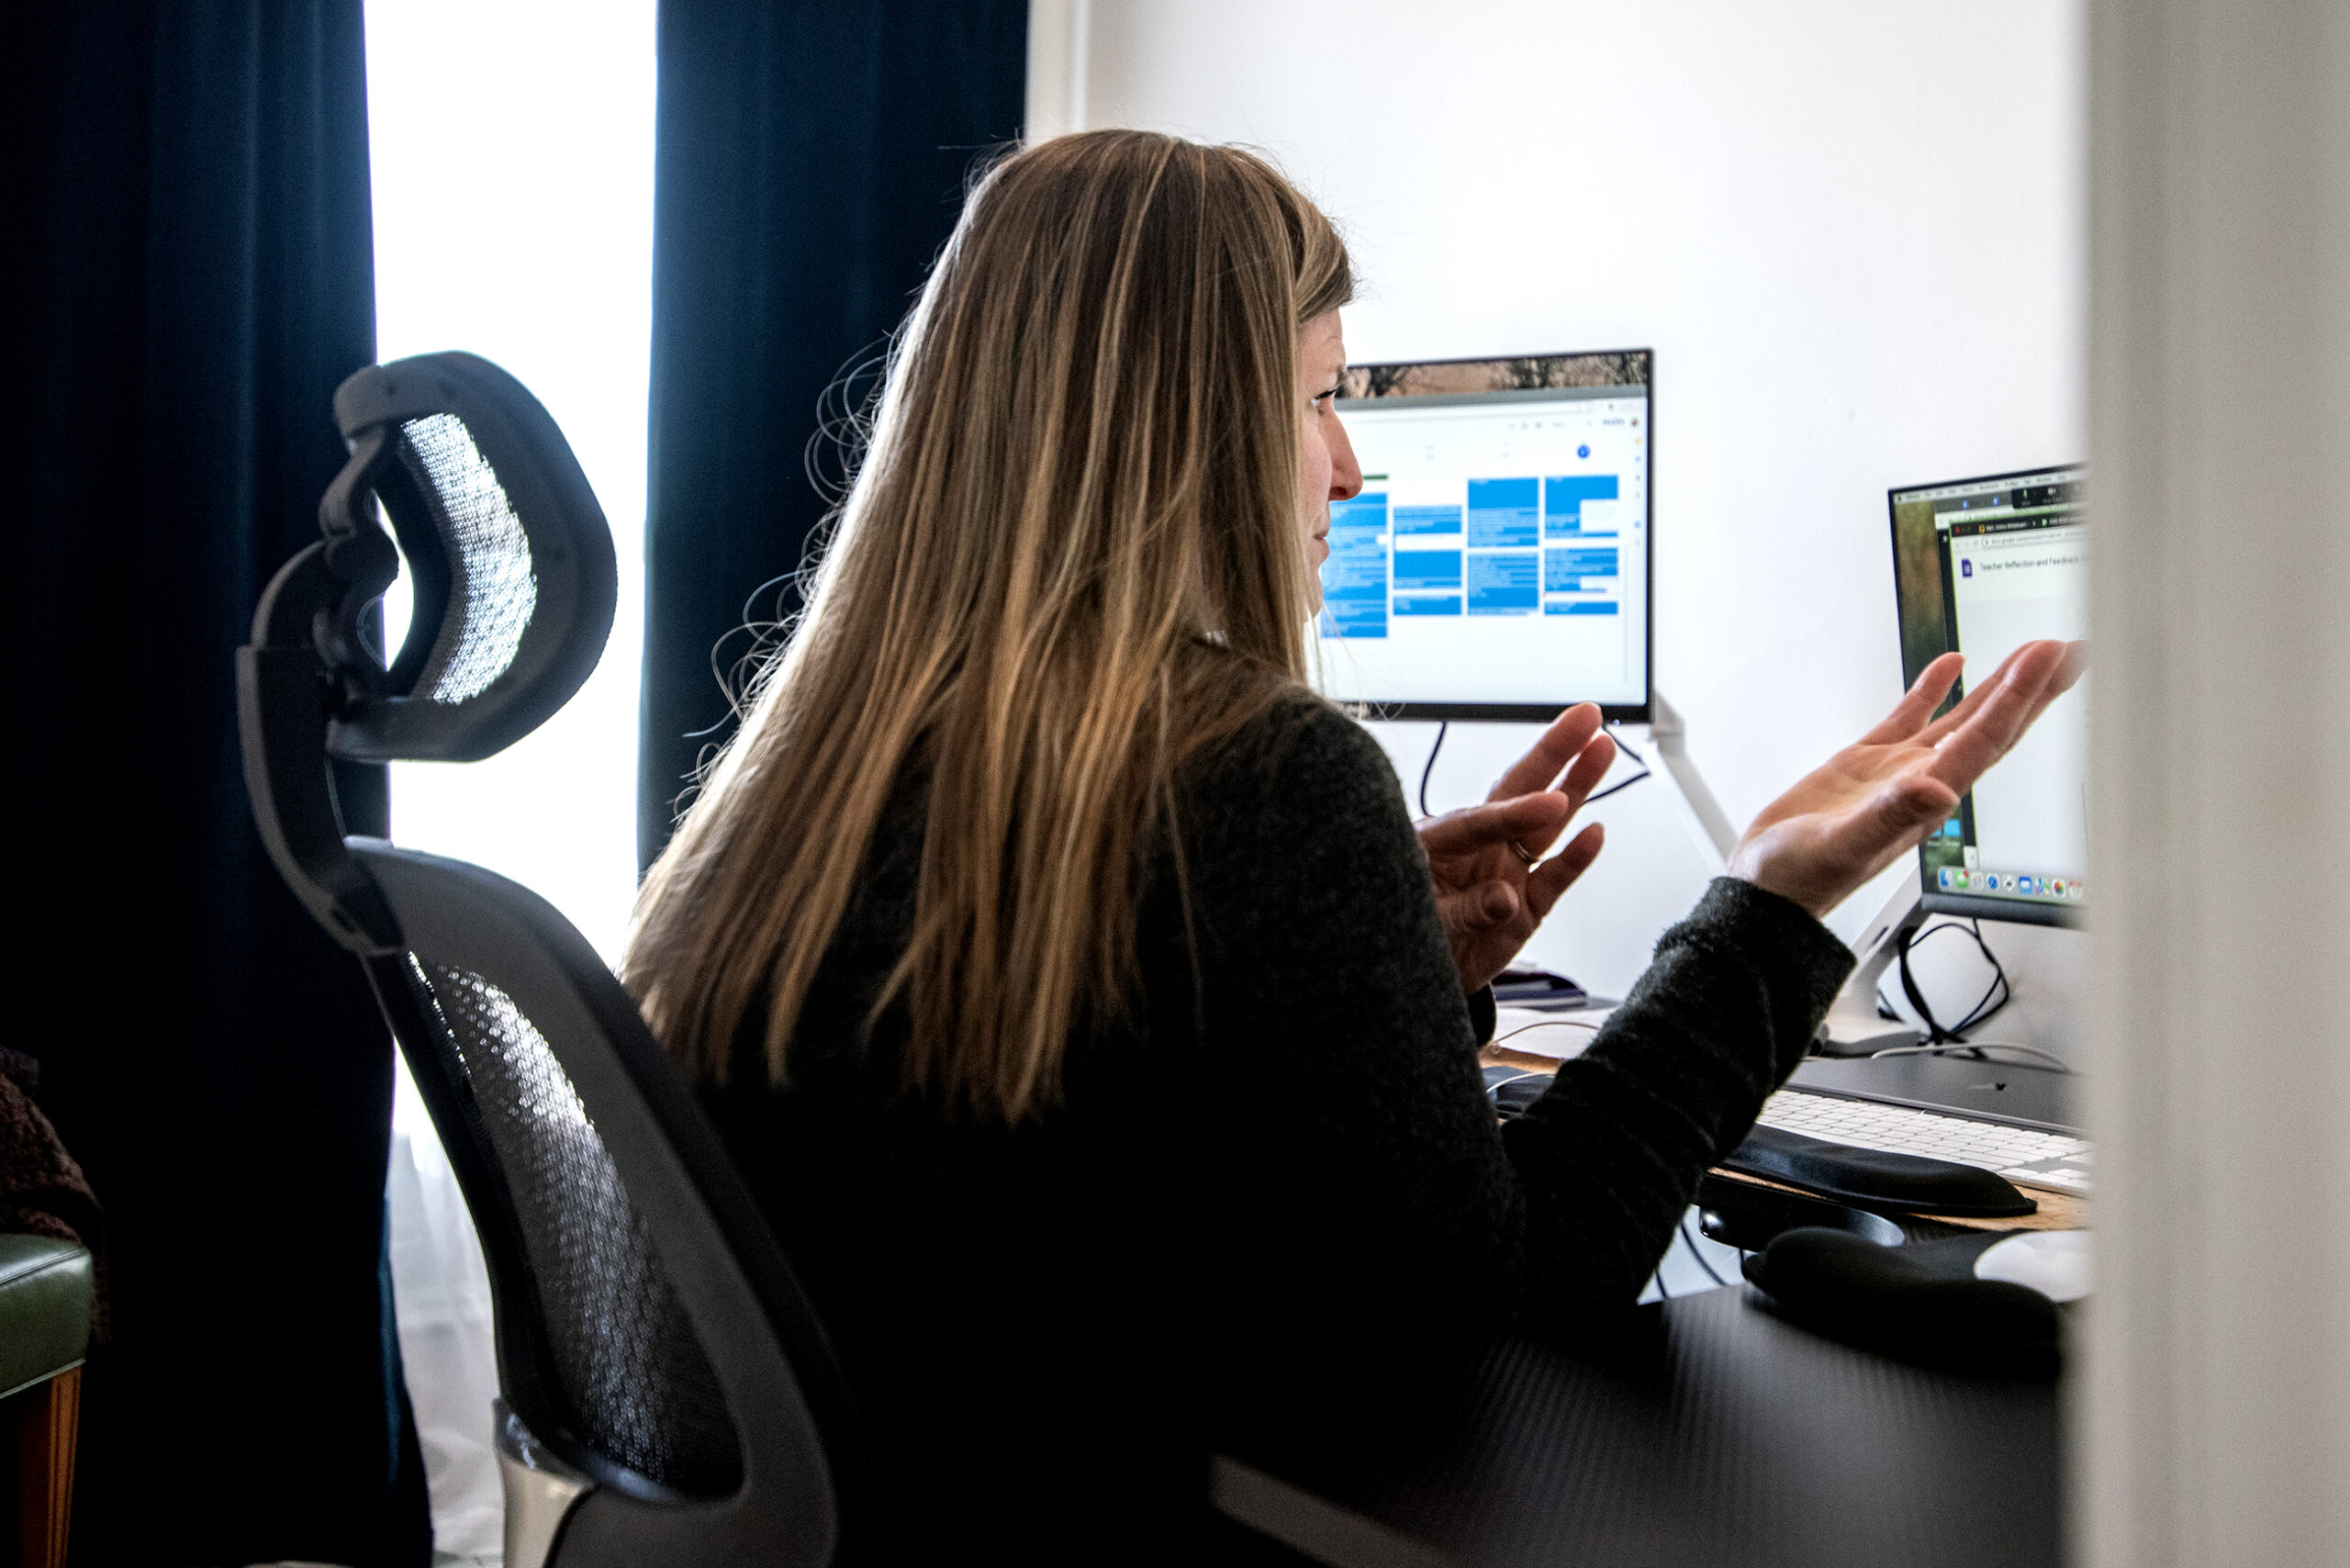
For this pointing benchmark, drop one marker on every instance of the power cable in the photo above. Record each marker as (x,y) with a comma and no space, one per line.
(1442,728)
(1995,996)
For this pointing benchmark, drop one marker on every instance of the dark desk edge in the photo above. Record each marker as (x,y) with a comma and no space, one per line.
(1314,1525)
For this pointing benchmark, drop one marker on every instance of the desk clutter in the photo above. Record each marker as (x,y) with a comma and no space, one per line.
(1855,1244)
(1880,1179)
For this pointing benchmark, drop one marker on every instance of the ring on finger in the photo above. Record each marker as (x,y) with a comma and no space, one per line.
(1526,856)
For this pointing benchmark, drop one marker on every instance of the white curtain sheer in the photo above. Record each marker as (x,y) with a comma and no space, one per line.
(440,1293)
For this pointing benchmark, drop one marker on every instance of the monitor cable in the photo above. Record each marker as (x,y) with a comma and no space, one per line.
(1995,997)
(1597,796)
(1442,728)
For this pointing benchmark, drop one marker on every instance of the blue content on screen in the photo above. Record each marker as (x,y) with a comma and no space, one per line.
(1417,521)
(1563,499)
(1503,513)
(1354,579)
(1490,509)
(1427,569)
(1565,571)
(1505,583)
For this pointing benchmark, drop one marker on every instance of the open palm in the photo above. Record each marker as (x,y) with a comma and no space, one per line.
(1853,816)
(1488,895)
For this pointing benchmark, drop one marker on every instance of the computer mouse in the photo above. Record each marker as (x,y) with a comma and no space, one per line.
(2056,1263)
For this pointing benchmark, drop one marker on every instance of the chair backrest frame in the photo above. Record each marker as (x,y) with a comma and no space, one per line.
(312,685)
(526,470)
(752,1318)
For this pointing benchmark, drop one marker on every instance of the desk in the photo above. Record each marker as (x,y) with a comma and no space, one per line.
(2057,1211)
(1700,1431)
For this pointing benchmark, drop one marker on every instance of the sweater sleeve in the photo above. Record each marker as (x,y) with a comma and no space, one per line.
(1360,1166)
(1610,1157)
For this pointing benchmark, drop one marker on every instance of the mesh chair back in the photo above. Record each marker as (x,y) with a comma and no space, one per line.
(663,1349)
(617,1356)
(653,1344)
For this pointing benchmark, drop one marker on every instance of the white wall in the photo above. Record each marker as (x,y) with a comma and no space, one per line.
(1850,229)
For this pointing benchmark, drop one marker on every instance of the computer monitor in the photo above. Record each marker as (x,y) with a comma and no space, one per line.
(1496,565)
(1983,565)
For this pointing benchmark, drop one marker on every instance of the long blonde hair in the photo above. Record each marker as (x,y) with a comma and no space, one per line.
(1071,558)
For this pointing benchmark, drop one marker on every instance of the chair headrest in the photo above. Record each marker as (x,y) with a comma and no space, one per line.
(509,555)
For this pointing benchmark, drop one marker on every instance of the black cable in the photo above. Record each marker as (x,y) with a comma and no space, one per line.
(1635,779)
(1612,788)
(1987,1009)
(1995,998)
(1982,1015)
(1934,1035)
(1442,726)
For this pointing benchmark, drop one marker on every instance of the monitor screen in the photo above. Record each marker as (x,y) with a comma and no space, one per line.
(1983,565)
(1496,564)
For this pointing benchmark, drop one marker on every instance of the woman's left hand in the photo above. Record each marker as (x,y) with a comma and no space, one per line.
(1488,895)
(1877,799)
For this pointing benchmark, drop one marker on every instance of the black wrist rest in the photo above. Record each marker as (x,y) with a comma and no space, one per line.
(1876,1178)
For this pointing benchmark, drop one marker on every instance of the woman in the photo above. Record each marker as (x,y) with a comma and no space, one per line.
(1069,982)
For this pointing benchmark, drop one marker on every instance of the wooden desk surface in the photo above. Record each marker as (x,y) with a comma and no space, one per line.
(2058,1211)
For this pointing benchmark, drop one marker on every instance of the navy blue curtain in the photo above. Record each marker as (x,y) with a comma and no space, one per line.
(185,276)
(810,160)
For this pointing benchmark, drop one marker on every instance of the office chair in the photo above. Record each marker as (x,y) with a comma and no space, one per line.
(666,1392)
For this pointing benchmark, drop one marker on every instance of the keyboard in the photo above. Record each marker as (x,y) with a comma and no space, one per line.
(2025,1155)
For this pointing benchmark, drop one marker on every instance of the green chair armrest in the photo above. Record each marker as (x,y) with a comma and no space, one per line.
(45,1289)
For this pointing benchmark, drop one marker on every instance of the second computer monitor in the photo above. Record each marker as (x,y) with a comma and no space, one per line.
(1983,565)
(1496,564)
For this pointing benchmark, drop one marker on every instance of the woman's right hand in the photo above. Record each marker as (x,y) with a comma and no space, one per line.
(1879,797)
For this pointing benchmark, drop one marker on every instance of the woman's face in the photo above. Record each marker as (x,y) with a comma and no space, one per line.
(1327,466)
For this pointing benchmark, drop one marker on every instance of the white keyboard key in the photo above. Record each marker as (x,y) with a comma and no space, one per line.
(2023,1155)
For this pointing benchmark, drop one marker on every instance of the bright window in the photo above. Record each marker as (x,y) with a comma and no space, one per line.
(511,146)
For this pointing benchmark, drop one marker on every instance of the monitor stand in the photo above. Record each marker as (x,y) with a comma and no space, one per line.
(1707,824)
(1853,1027)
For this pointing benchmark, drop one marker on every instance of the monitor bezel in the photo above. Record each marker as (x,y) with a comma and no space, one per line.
(1641,712)
(1930,898)
(2016,911)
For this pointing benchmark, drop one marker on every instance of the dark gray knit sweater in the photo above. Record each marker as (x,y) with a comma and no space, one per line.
(1293,1172)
